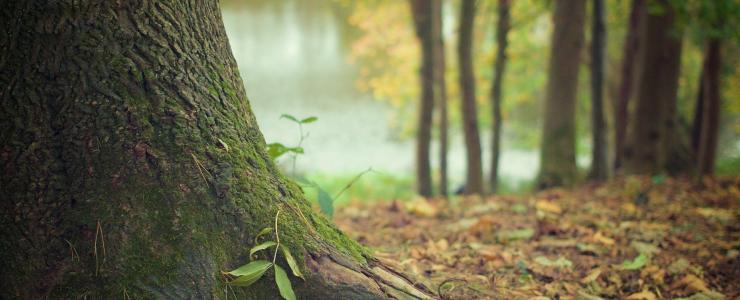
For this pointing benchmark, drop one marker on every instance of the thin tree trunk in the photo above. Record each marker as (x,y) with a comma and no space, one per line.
(599,165)
(628,80)
(698,115)
(440,92)
(474,178)
(422,12)
(652,132)
(502,30)
(710,108)
(558,157)
(132,165)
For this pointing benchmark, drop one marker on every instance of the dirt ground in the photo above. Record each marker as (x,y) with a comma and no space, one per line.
(632,238)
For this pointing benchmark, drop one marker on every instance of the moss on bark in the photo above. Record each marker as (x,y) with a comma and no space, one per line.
(133,164)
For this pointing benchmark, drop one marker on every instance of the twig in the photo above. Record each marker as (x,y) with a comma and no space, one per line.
(277,236)
(201,168)
(346,187)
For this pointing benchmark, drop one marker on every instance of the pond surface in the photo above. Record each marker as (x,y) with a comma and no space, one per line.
(292,56)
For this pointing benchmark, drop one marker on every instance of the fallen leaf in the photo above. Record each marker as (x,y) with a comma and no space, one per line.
(421,207)
(593,275)
(602,239)
(678,266)
(548,206)
(635,264)
(517,234)
(561,262)
(690,283)
(644,295)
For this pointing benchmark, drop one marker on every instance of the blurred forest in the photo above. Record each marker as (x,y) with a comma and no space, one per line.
(375,49)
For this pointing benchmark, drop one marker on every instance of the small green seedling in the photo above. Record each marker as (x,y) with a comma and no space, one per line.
(250,273)
(276,150)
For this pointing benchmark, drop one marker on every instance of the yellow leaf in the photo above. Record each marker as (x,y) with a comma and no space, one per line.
(603,239)
(421,207)
(691,283)
(593,275)
(644,295)
(548,206)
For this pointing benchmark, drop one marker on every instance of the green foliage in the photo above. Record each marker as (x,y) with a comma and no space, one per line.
(275,150)
(635,264)
(250,273)
(303,121)
(283,283)
(292,262)
(326,202)
(262,246)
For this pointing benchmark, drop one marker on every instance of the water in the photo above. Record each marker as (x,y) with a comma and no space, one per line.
(292,56)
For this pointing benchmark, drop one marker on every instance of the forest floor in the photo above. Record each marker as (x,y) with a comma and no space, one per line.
(632,238)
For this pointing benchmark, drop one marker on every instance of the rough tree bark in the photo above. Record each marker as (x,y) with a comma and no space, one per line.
(557,156)
(132,165)
(599,164)
(422,13)
(652,128)
(474,178)
(628,78)
(502,30)
(440,92)
(710,108)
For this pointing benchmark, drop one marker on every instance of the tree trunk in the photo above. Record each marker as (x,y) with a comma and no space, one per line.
(710,101)
(558,157)
(474,178)
(133,166)
(629,62)
(440,92)
(652,132)
(502,30)
(422,13)
(599,166)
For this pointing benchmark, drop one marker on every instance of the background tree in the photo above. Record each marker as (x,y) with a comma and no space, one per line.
(133,165)
(440,92)
(474,178)
(628,78)
(502,30)
(710,107)
(715,22)
(652,134)
(599,163)
(422,13)
(557,152)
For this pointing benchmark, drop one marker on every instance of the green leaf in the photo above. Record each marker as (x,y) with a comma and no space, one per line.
(250,272)
(283,283)
(262,246)
(658,179)
(292,263)
(309,120)
(326,203)
(639,262)
(297,150)
(262,232)
(289,117)
(276,150)
(559,263)
(304,181)
(517,234)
